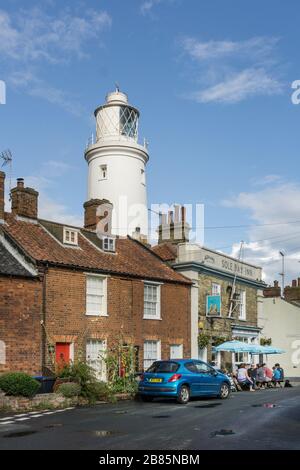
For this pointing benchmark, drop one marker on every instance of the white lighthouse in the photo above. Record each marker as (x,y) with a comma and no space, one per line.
(117,165)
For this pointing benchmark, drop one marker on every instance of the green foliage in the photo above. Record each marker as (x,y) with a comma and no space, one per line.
(124,385)
(119,358)
(19,384)
(219,340)
(69,389)
(96,391)
(265,341)
(80,372)
(203,340)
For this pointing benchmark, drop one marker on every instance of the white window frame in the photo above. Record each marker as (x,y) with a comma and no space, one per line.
(215,288)
(111,244)
(242,357)
(143,177)
(97,361)
(243,306)
(150,356)
(102,312)
(67,236)
(157,315)
(175,355)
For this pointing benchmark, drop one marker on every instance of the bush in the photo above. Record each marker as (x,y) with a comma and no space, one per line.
(69,389)
(18,383)
(84,375)
(124,385)
(95,391)
(79,372)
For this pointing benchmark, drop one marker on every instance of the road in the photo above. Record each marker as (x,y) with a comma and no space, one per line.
(249,421)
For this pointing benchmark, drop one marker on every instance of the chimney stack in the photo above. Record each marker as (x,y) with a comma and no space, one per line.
(273,291)
(173,229)
(92,216)
(2,182)
(24,201)
(292,294)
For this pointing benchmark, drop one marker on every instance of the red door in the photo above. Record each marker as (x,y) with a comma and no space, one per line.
(62,353)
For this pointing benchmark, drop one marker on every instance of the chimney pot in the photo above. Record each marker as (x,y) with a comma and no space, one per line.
(171,217)
(20,182)
(183,213)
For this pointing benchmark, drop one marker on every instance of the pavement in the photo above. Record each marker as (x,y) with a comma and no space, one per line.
(266,419)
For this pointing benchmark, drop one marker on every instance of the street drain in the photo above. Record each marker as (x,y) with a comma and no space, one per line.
(161,416)
(209,405)
(222,432)
(19,434)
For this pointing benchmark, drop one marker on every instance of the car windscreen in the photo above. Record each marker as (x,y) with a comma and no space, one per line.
(163,367)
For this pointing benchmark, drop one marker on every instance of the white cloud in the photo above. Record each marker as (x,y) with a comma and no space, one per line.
(32,38)
(257,47)
(232,71)
(268,179)
(239,86)
(33,35)
(270,208)
(147,5)
(27,81)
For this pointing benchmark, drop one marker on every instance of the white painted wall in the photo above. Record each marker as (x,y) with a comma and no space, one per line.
(125,184)
(280,321)
(193,276)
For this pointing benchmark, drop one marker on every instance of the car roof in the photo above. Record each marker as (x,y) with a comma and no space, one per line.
(179,360)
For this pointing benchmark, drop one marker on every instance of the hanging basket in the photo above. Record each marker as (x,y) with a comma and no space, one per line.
(203,340)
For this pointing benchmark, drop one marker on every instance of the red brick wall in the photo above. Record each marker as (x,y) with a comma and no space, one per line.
(20,328)
(66,320)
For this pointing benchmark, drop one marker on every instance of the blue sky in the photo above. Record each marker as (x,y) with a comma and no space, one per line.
(212,79)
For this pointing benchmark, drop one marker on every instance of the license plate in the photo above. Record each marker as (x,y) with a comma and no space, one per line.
(155,380)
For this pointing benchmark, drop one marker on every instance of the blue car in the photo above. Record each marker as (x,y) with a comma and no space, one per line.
(182,379)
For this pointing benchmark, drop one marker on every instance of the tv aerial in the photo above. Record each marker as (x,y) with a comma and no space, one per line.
(6,156)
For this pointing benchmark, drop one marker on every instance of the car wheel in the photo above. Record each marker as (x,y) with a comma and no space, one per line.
(224,391)
(146,398)
(183,396)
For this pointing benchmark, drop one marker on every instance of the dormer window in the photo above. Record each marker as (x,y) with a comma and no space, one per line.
(109,244)
(70,236)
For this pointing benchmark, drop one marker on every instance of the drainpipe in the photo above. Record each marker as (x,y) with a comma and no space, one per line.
(43,272)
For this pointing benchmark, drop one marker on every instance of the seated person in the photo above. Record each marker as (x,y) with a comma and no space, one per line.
(243,378)
(261,376)
(269,375)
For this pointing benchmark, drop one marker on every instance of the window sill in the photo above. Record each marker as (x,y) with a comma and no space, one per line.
(96,314)
(152,318)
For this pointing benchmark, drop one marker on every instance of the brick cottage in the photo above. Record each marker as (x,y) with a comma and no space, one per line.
(66,293)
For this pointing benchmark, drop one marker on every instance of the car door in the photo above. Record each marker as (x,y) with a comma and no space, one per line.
(192,377)
(207,382)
